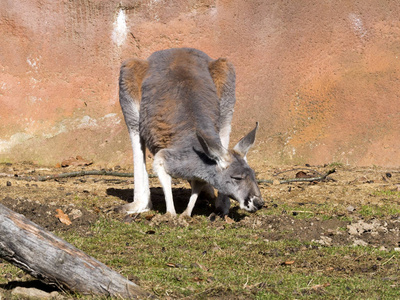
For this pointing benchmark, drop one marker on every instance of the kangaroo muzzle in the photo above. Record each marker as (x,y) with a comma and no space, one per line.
(253,203)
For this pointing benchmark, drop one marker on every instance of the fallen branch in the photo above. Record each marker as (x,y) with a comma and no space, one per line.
(71,174)
(387,260)
(298,169)
(84,173)
(320,178)
(54,261)
(130,175)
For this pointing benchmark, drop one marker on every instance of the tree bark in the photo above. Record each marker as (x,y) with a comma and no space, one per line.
(54,261)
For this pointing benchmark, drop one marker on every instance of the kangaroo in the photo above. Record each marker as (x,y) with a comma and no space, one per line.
(179,104)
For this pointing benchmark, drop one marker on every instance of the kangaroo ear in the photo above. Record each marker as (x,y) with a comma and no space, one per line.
(244,145)
(213,150)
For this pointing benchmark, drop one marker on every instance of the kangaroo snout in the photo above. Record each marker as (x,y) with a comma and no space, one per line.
(258,203)
(253,203)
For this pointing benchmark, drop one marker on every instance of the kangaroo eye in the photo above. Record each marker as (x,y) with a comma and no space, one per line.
(237,177)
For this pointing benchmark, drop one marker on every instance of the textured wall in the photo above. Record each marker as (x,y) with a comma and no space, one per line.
(321,77)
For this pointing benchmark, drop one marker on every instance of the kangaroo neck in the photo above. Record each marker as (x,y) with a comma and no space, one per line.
(190,164)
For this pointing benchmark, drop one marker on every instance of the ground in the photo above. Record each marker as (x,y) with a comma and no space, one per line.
(354,208)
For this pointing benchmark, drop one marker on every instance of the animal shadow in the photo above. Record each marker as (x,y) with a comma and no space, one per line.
(204,206)
(181,196)
(30,284)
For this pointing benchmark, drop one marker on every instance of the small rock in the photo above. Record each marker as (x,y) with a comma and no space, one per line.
(350,208)
(302,174)
(55,295)
(75,214)
(397,249)
(327,241)
(358,242)
(78,161)
(32,293)
(361,227)
(229,220)
(8,183)
(276,182)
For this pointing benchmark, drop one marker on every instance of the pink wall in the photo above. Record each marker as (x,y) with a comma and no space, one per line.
(322,78)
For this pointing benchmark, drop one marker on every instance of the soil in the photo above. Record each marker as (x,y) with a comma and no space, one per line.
(330,212)
(297,209)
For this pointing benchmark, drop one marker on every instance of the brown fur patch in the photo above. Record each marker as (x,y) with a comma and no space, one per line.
(161,131)
(133,73)
(219,70)
(184,70)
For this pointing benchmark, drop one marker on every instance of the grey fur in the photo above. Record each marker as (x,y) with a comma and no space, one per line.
(186,106)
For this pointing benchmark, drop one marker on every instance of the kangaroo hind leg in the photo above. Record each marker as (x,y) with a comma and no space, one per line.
(131,77)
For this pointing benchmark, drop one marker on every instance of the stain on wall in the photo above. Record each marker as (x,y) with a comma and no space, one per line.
(322,78)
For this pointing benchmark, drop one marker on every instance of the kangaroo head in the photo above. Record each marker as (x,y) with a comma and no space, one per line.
(233,176)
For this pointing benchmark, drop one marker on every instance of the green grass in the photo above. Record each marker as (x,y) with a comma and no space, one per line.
(8,271)
(207,261)
(371,210)
(387,193)
(230,261)
(389,204)
(203,261)
(325,210)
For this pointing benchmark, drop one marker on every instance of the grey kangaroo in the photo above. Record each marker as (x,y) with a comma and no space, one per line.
(179,104)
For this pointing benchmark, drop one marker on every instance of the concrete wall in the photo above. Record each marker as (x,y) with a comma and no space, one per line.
(321,77)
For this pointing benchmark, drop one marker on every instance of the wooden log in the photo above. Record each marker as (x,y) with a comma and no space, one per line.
(54,261)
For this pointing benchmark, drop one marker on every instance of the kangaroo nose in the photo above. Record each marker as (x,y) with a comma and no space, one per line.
(258,203)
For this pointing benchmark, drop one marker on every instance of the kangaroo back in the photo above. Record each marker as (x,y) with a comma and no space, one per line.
(179,98)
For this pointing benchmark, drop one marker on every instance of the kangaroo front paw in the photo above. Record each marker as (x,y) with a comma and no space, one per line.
(221,211)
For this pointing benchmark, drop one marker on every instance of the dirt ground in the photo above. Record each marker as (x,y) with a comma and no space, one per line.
(354,206)
(309,211)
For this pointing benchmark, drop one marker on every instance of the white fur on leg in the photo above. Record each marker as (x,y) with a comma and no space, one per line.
(145,181)
(141,198)
(165,180)
(197,186)
(222,204)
